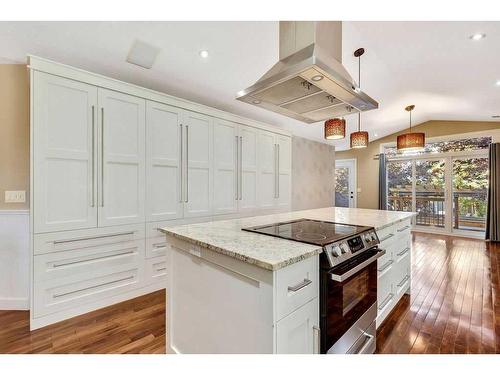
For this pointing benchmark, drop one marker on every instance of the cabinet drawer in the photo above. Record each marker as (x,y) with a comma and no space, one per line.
(386,235)
(385,294)
(296,285)
(403,228)
(156,247)
(70,240)
(401,278)
(385,263)
(156,270)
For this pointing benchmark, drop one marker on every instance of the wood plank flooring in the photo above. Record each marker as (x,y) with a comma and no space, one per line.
(454,308)
(134,326)
(454,305)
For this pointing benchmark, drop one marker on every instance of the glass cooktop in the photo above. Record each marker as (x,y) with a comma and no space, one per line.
(310,231)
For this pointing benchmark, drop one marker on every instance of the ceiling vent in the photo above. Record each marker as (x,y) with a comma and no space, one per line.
(142,54)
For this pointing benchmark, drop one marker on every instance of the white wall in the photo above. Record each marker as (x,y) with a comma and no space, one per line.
(14,260)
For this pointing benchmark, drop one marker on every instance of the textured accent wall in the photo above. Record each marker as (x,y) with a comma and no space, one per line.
(313,174)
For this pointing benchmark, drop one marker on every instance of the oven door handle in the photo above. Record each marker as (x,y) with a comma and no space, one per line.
(352,271)
(368,339)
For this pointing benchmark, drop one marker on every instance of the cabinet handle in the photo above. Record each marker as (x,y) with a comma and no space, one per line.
(278,171)
(102,156)
(181,167)
(241,169)
(403,281)
(386,301)
(98,257)
(317,339)
(299,286)
(403,229)
(237,181)
(93,156)
(187,164)
(160,245)
(385,266)
(390,235)
(58,242)
(92,287)
(275,169)
(403,252)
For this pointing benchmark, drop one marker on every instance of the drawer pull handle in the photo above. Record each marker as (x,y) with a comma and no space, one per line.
(317,341)
(161,269)
(62,264)
(403,229)
(387,237)
(58,242)
(404,281)
(386,301)
(385,266)
(92,287)
(160,245)
(299,286)
(403,252)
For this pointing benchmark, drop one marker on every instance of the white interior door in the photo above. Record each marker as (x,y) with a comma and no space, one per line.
(248,168)
(163,162)
(345,183)
(198,131)
(64,184)
(284,155)
(267,170)
(122,158)
(225,166)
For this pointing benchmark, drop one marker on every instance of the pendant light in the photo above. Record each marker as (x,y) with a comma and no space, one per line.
(359,139)
(411,141)
(335,128)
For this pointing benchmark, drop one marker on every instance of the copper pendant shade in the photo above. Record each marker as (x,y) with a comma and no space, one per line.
(411,141)
(335,128)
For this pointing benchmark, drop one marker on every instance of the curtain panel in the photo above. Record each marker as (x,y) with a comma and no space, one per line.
(492,217)
(382,186)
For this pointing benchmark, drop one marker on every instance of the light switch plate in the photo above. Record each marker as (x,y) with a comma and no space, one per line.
(18,196)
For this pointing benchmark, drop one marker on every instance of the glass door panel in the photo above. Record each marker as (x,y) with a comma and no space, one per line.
(470,188)
(430,193)
(341,187)
(399,185)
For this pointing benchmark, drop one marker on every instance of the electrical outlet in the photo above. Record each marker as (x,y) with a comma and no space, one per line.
(18,196)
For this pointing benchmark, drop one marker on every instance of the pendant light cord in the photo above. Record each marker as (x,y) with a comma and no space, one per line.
(359,84)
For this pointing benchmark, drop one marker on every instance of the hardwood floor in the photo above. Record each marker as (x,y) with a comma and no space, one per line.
(134,326)
(454,305)
(454,308)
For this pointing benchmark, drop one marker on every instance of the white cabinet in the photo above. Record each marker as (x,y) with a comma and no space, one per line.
(275,165)
(121,158)
(298,333)
(163,162)
(198,154)
(64,147)
(248,164)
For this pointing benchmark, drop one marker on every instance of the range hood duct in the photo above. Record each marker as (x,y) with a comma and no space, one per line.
(309,82)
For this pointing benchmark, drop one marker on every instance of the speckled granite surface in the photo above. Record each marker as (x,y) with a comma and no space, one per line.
(226,236)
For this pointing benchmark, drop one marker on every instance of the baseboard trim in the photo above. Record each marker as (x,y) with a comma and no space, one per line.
(14,304)
(14,212)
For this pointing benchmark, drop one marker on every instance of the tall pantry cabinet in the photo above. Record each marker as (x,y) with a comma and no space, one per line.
(111,163)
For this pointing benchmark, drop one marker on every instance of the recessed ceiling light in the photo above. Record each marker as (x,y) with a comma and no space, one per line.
(317,78)
(375,135)
(497,83)
(256,101)
(477,36)
(204,53)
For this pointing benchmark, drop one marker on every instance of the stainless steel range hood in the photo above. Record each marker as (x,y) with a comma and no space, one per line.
(309,82)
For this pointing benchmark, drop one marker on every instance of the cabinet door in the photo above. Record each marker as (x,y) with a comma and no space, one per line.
(267,170)
(121,158)
(248,168)
(225,166)
(64,147)
(284,170)
(298,332)
(163,162)
(198,167)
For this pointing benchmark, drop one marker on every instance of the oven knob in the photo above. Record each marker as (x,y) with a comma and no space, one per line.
(335,251)
(367,237)
(374,236)
(344,248)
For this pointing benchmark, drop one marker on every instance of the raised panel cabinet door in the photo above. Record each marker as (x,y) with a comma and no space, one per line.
(284,162)
(121,158)
(298,333)
(248,168)
(226,168)
(267,170)
(64,154)
(198,169)
(163,162)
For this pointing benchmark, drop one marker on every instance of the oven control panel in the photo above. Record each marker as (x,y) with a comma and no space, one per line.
(340,251)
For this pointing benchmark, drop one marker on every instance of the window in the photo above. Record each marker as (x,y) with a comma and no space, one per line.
(446,184)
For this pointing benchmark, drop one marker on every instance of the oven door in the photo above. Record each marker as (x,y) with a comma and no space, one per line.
(348,302)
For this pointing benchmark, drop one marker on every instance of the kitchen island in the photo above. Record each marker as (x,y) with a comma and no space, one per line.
(233,291)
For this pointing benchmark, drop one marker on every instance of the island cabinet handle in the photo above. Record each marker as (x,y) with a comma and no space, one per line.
(403,252)
(385,266)
(317,339)
(403,281)
(386,301)
(403,229)
(387,237)
(299,286)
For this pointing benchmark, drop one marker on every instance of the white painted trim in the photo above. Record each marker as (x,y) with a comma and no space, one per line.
(14,212)
(14,303)
(464,234)
(62,70)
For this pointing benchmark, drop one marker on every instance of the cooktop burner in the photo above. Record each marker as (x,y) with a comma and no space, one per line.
(315,232)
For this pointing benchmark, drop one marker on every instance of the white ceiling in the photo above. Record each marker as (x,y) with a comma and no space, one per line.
(433,65)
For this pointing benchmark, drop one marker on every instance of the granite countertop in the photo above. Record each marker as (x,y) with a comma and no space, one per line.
(226,236)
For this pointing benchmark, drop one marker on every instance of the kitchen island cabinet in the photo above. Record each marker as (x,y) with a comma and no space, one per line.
(232,291)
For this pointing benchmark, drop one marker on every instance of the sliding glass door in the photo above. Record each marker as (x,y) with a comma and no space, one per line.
(430,196)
